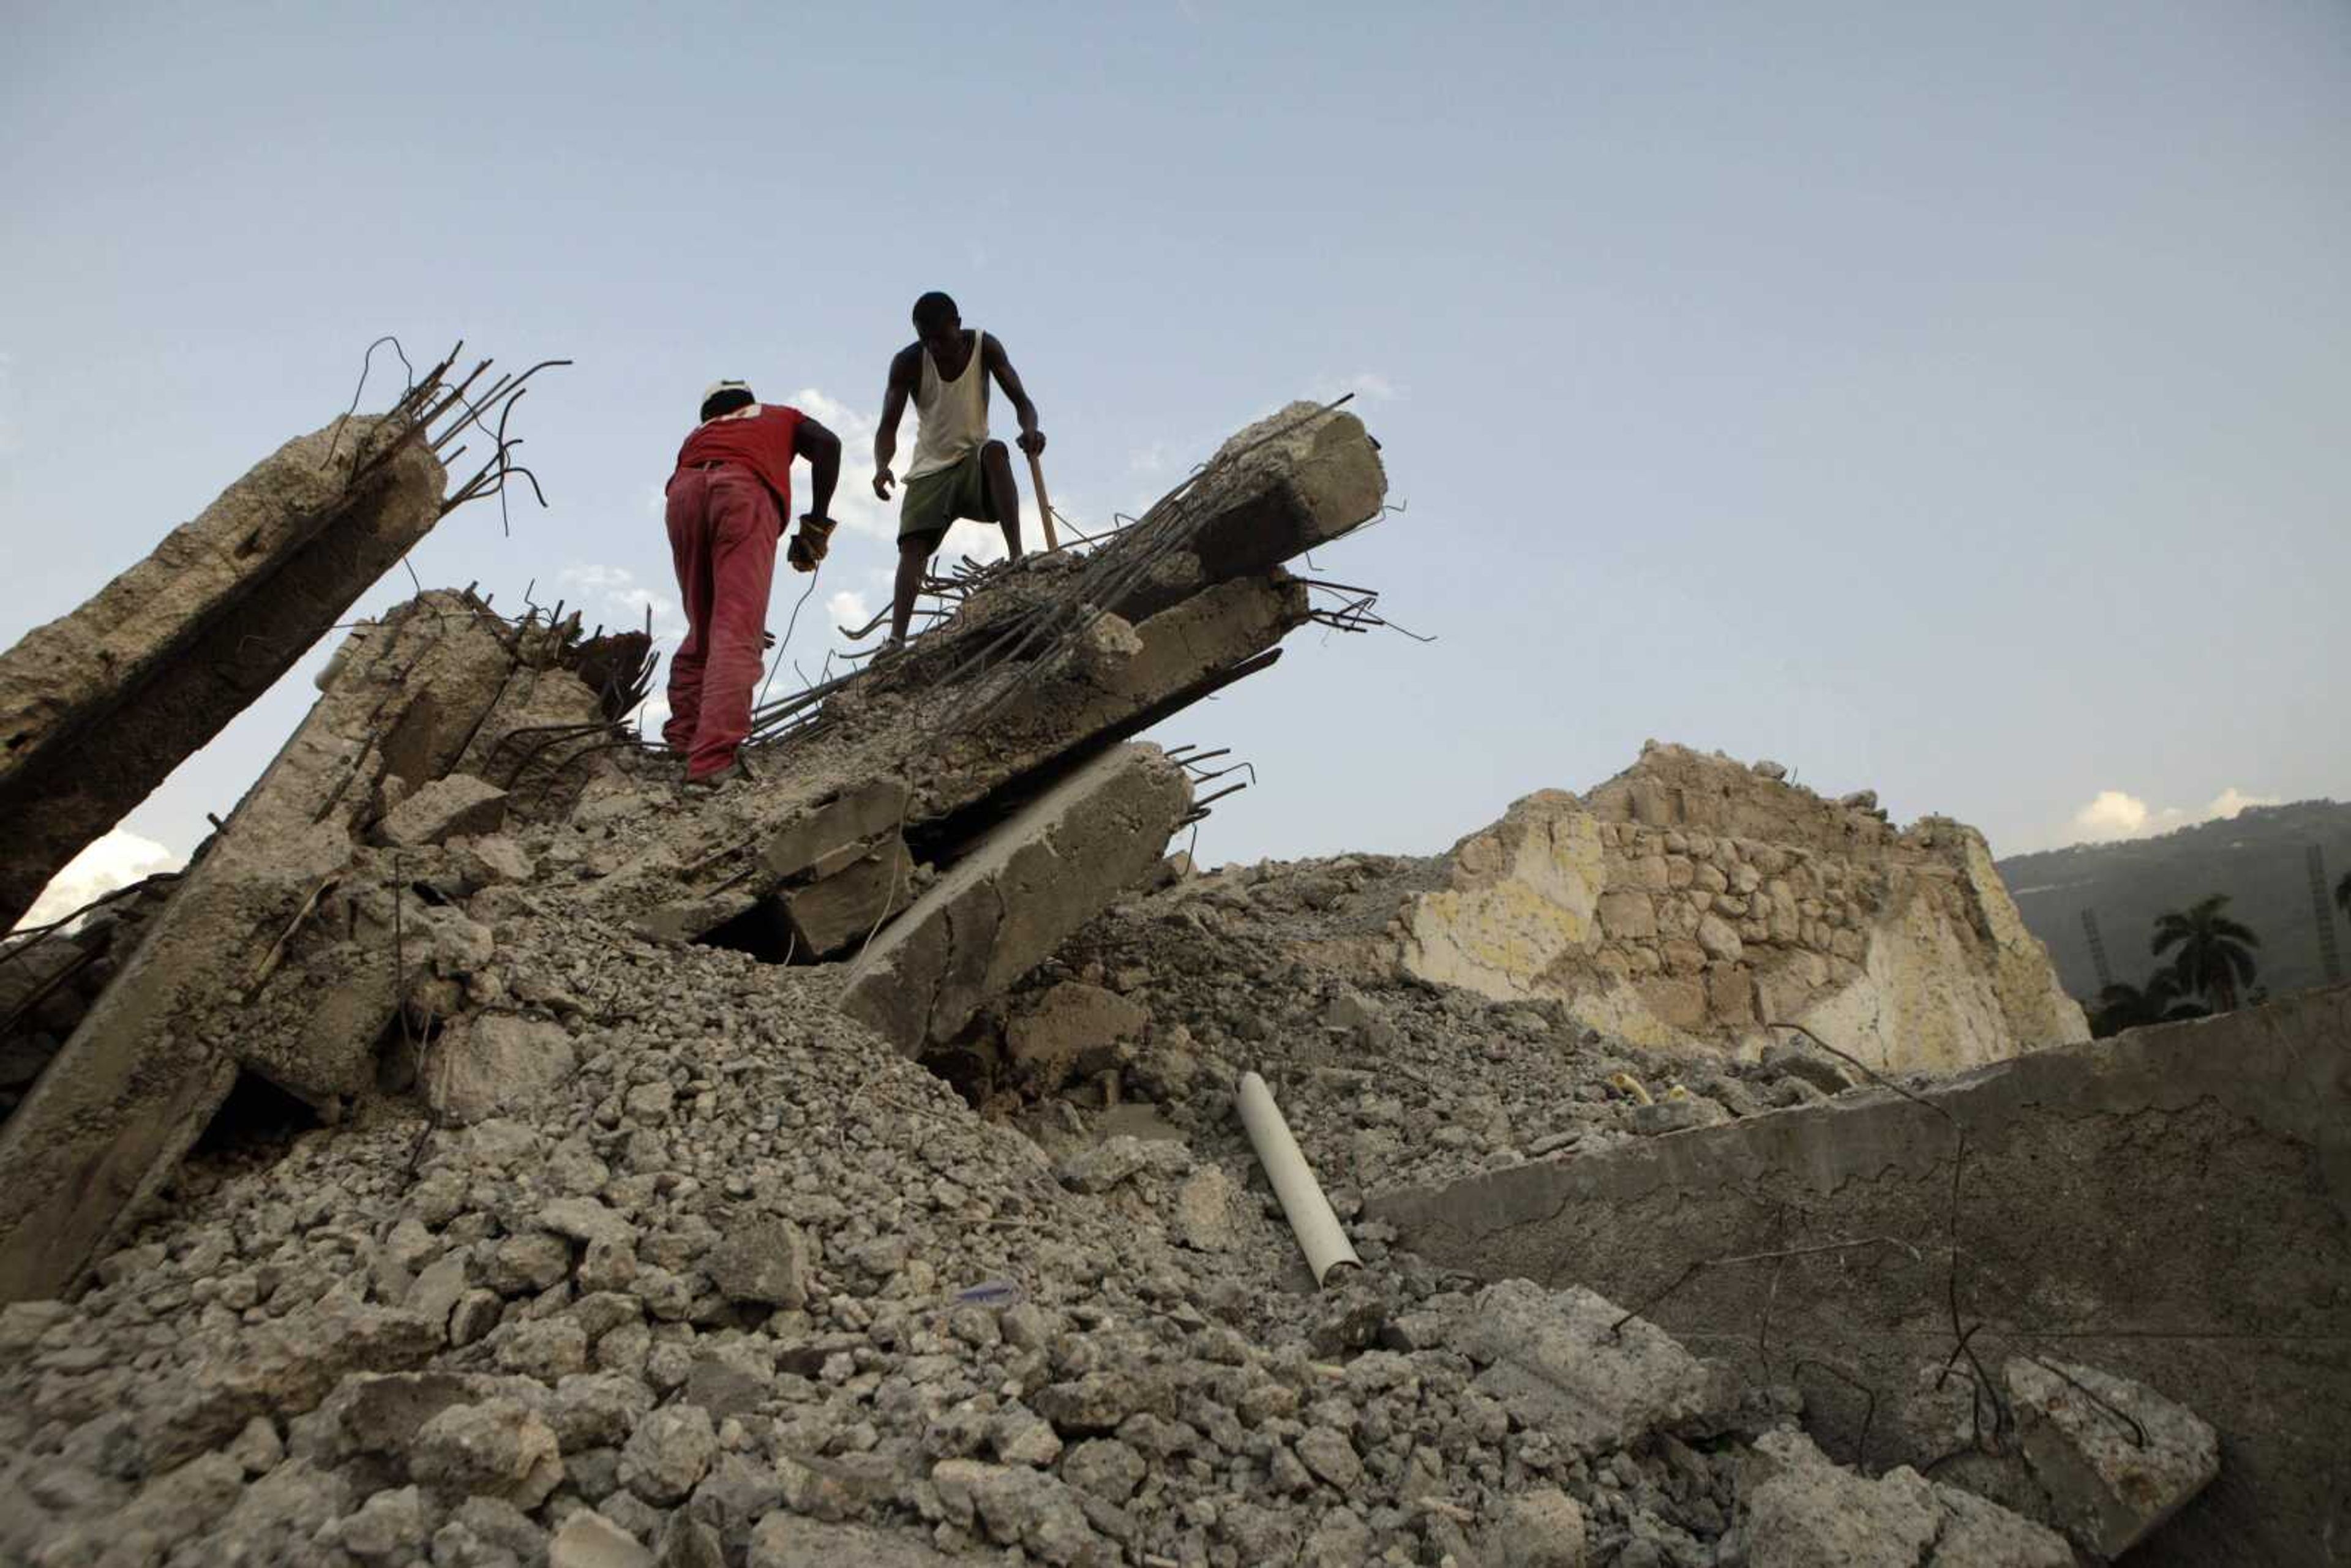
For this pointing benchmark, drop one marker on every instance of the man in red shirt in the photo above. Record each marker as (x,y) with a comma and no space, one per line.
(728,497)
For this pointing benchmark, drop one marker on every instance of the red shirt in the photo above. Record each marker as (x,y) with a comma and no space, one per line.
(761,442)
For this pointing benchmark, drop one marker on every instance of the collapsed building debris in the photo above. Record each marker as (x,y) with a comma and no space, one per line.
(2171,1206)
(289,946)
(294,945)
(1692,898)
(644,1226)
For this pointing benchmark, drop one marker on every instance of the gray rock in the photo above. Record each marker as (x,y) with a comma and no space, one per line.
(1799,1511)
(669,1454)
(1121,1158)
(598,1409)
(1560,1364)
(494,1064)
(1105,1468)
(761,1261)
(588,1540)
(443,809)
(1539,1529)
(498,1449)
(391,1527)
(1328,1453)
(2116,1458)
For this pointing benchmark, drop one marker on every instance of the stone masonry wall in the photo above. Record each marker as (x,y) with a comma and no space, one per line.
(1693,899)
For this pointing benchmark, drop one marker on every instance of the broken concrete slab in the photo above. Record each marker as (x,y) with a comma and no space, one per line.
(494,1064)
(1797,1510)
(1031,674)
(1015,895)
(859,886)
(2116,1458)
(1307,480)
(162,658)
(222,981)
(2172,1205)
(855,816)
(444,808)
(1577,1366)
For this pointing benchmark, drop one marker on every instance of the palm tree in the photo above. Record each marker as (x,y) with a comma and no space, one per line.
(2122,1006)
(2215,954)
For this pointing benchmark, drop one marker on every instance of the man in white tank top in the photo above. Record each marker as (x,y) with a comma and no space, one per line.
(958,471)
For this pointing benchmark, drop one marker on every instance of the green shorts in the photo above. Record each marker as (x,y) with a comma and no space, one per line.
(933,503)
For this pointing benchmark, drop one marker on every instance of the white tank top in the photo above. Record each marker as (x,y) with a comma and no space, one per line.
(952,415)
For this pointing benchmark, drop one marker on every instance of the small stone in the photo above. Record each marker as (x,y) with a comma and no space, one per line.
(1020,1437)
(498,1448)
(762,1261)
(445,808)
(1539,1529)
(588,1540)
(257,1448)
(669,1453)
(1326,1451)
(1105,1468)
(390,1527)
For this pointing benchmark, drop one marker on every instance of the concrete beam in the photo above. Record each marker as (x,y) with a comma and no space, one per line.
(2172,1206)
(142,1074)
(1016,894)
(98,708)
(1283,486)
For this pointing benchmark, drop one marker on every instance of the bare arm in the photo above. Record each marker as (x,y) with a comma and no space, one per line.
(894,408)
(821,447)
(999,364)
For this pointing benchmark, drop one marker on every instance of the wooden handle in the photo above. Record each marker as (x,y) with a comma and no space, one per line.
(1044,505)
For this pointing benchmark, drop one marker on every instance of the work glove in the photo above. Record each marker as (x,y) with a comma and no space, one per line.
(809,543)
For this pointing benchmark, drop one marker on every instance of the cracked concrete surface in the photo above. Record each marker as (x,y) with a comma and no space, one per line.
(2173,1204)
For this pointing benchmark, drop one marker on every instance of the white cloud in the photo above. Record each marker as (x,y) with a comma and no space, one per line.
(2231,800)
(613,594)
(2117,814)
(115,860)
(849,609)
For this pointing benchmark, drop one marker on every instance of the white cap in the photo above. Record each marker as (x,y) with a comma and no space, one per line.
(715,388)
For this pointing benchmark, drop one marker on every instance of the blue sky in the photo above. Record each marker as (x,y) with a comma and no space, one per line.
(1944,400)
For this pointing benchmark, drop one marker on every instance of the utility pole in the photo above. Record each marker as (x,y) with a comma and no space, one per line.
(2330,958)
(2097,948)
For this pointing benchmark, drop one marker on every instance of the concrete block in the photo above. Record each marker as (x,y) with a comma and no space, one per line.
(494,1064)
(2172,1206)
(1016,894)
(444,808)
(837,911)
(1561,1364)
(101,705)
(1279,487)
(853,817)
(2116,1458)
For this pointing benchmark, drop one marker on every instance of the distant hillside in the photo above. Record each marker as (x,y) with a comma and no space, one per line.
(2257,858)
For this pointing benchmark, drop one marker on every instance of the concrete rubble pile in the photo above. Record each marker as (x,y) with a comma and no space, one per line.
(842,1167)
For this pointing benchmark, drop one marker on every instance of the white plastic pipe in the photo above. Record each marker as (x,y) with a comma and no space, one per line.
(1311,1220)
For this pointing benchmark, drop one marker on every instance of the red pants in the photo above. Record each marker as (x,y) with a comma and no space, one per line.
(722,534)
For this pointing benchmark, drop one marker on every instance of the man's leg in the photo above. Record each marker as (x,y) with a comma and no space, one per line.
(689,548)
(1003,494)
(914,555)
(744,525)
